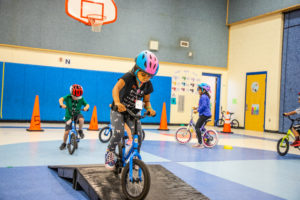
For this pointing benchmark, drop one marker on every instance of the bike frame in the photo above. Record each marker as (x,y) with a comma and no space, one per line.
(73,130)
(289,134)
(133,152)
(193,125)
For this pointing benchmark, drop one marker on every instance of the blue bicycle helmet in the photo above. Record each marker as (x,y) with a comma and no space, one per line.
(204,86)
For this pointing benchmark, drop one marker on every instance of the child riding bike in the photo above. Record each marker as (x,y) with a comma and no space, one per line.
(131,91)
(296,128)
(204,111)
(73,103)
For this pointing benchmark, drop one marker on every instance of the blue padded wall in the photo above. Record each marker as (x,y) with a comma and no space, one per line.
(23,82)
(290,80)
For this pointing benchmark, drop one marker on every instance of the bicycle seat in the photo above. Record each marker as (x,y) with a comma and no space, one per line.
(208,120)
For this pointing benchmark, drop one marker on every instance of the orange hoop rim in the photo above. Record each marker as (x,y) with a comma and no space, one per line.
(96,19)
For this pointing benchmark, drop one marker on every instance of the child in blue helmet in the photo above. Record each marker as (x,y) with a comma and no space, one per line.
(131,91)
(203,109)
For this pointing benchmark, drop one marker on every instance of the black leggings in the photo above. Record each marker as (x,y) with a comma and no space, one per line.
(199,124)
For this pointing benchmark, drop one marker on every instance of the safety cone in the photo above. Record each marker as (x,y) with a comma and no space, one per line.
(35,124)
(94,121)
(163,120)
(227,126)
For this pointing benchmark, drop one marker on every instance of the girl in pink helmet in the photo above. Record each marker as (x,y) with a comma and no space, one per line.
(132,91)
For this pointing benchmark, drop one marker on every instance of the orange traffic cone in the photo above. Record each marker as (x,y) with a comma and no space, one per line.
(35,124)
(227,126)
(94,121)
(163,120)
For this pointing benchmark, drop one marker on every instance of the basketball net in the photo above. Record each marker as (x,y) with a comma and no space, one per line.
(96,22)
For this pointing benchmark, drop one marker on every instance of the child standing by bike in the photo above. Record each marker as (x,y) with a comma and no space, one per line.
(204,111)
(131,91)
(296,128)
(73,103)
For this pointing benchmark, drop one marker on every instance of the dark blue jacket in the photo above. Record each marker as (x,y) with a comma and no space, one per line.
(204,106)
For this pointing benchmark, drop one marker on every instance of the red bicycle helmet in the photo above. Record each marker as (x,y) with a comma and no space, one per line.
(76,91)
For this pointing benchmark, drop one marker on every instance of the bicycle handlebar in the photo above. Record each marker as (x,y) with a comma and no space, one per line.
(297,119)
(136,116)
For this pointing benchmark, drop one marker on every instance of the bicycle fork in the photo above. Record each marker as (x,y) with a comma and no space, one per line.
(135,154)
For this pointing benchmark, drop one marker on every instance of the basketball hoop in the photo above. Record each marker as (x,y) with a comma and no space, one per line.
(96,22)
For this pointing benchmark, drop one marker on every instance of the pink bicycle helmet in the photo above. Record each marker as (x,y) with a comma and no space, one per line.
(147,62)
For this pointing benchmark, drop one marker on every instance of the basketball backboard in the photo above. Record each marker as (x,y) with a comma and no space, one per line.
(80,10)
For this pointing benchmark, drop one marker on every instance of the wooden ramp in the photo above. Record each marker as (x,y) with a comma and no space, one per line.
(100,183)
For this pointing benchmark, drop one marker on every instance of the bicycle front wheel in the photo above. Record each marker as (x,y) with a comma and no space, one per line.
(283,146)
(235,123)
(73,144)
(210,138)
(143,135)
(105,134)
(136,186)
(183,135)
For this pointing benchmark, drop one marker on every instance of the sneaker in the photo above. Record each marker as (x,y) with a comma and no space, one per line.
(62,146)
(129,142)
(296,143)
(199,146)
(80,132)
(110,160)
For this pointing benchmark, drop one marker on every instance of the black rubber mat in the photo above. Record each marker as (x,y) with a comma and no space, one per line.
(99,183)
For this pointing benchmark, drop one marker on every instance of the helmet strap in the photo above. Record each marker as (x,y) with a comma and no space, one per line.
(140,83)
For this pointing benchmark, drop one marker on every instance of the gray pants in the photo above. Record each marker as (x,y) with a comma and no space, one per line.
(117,122)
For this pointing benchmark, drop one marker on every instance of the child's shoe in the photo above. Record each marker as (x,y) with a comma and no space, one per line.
(62,146)
(110,160)
(129,142)
(199,146)
(80,132)
(296,143)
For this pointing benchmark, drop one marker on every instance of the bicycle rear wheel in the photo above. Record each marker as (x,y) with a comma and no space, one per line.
(183,135)
(105,134)
(210,138)
(220,123)
(235,123)
(283,146)
(139,186)
(73,144)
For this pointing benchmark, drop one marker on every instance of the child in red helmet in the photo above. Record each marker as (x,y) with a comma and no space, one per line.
(73,103)
(296,128)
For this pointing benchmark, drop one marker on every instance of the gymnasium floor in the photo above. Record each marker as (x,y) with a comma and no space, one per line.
(251,170)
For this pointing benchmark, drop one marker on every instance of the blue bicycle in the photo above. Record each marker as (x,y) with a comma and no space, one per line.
(135,178)
(73,139)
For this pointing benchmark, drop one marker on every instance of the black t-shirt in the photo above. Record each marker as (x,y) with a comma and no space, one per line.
(130,92)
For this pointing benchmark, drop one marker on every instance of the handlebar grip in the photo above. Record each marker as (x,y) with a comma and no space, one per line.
(114,108)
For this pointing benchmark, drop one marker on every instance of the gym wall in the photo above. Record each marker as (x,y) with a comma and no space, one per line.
(256,46)
(240,10)
(44,24)
(66,60)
